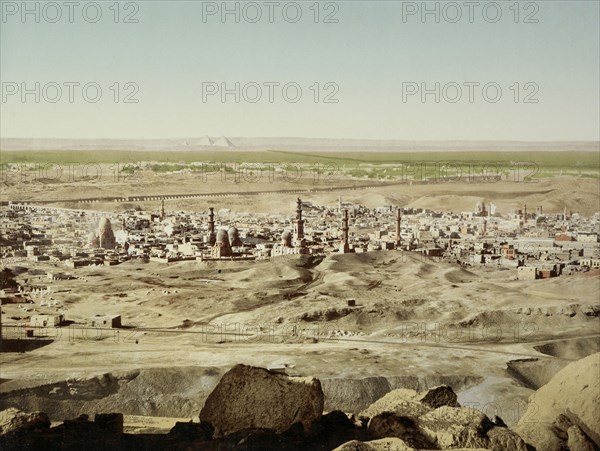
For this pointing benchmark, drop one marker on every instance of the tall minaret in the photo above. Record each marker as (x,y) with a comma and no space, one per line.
(344,246)
(525,212)
(398,220)
(298,223)
(212,237)
(162,208)
(211,220)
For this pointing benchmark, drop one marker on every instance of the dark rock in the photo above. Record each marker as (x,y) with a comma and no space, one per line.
(296,432)
(337,420)
(253,439)
(192,431)
(499,422)
(111,423)
(250,397)
(388,424)
(438,397)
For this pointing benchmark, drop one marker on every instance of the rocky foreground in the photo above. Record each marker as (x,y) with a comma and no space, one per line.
(255,409)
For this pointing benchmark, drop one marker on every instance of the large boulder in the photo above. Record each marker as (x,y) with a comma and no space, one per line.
(388,424)
(410,403)
(384,444)
(571,398)
(14,421)
(455,427)
(433,419)
(250,397)
(463,427)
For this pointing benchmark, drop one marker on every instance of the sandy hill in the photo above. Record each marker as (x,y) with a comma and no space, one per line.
(571,398)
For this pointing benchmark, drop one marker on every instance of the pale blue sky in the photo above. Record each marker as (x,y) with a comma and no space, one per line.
(369,54)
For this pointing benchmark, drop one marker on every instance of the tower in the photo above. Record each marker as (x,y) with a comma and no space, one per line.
(344,246)
(211,220)
(162,208)
(211,227)
(298,224)
(340,203)
(525,212)
(398,221)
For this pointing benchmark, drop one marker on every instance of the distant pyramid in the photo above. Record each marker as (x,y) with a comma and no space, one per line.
(223,142)
(205,141)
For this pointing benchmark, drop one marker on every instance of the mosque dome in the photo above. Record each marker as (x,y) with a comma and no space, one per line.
(222,237)
(106,236)
(92,240)
(234,236)
(104,225)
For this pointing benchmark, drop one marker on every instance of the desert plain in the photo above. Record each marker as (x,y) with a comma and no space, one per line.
(417,322)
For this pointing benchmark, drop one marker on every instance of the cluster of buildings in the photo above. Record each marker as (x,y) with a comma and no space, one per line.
(535,244)
(540,245)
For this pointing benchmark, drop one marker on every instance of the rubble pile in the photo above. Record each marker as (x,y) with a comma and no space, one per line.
(257,409)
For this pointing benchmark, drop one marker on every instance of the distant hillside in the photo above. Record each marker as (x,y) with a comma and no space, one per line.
(307,144)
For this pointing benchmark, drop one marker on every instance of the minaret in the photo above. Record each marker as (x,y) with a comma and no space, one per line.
(565,214)
(340,204)
(298,223)
(211,220)
(525,212)
(344,246)
(212,237)
(162,208)
(398,220)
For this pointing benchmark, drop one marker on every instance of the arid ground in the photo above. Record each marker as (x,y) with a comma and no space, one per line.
(416,322)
